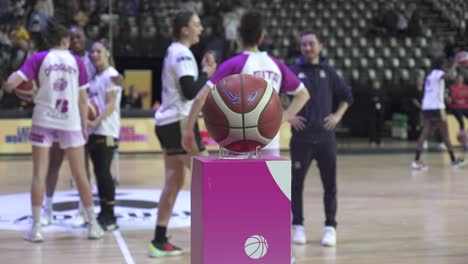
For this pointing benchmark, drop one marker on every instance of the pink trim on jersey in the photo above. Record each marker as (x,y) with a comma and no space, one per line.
(289,83)
(30,68)
(82,73)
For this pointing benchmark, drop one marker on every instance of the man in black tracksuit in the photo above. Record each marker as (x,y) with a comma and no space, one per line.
(313,134)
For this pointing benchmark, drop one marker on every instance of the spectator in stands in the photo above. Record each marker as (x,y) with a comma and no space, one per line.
(436,47)
(8,100)
(36,23)
(390,19)
(134,99)
(376,114)
(458,100)
(412,107)
(415,25)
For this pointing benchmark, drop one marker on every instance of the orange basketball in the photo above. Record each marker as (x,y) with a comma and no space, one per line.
(26,90)
(93,110)
(461,137)
(243,112)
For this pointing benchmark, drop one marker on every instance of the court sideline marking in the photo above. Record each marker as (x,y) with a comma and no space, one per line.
(123,247)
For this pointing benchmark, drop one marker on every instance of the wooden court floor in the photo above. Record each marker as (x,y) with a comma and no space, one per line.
(386,214)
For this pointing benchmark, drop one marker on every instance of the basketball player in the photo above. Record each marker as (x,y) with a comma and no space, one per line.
(77,47)
(103,139)
(180,83)
(60,113)
(258,63)
(315,138)
(459,100)
(433,107)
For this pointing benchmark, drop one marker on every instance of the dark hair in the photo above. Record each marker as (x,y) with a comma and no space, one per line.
(312,33)
(439,63)
(181,19)
(54,33)
(251,28)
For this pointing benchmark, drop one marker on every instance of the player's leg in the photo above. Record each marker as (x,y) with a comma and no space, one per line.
(176,162)
(41,140)
(442,126)
(73,143)
(326,161)
(80,218)
(101,151)
(417,164)
(55,162)
(301,158)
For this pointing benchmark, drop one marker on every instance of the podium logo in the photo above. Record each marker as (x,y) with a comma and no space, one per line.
(256,247)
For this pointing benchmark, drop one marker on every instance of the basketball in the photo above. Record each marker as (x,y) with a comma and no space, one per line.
(462,58)
(461,137)
(256,247)
(93,110)
(26,91)
(242,112)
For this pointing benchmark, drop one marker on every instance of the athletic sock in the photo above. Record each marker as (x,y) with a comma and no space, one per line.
(160,234)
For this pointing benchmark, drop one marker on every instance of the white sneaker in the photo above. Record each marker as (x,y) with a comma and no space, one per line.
(46,216)
(95,231)
(299,235)
(441,147)
(425,145)
(418,165)
(458,163)
(34,234)
(80,219)
(329,236)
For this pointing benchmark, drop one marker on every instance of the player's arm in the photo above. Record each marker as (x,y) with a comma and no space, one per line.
(298,101)
(190,86)
(188,136)
(111,98)
(13,81)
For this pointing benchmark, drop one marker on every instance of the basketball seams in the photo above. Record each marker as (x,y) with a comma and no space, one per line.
(242,105)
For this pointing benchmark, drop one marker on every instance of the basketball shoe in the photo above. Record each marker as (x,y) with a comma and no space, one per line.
(329,237)
(299,235)
(418,165)
(34,234)
(458,163)
(80,219)
(158,250)
(108,223)
(46,216)
(95,231)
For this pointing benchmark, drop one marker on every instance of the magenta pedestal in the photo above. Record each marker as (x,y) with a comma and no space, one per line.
(241,211)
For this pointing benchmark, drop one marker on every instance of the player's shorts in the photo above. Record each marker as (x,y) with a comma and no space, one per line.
(45,137)
(170,137)
(434,115)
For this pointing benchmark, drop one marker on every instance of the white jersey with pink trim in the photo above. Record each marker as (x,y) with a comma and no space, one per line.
(264,66)
(60,76)
(434,90)
(99,87)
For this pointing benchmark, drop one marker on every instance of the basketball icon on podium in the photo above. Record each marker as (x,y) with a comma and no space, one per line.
(256,247)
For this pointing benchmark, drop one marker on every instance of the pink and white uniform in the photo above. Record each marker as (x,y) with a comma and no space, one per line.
(60,76)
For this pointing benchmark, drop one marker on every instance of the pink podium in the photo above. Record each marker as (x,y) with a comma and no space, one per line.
(241,211)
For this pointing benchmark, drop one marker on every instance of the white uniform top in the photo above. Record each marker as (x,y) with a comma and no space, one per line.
(179,62)
(434,90)
(262,65)
(100,86)
(60,76)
